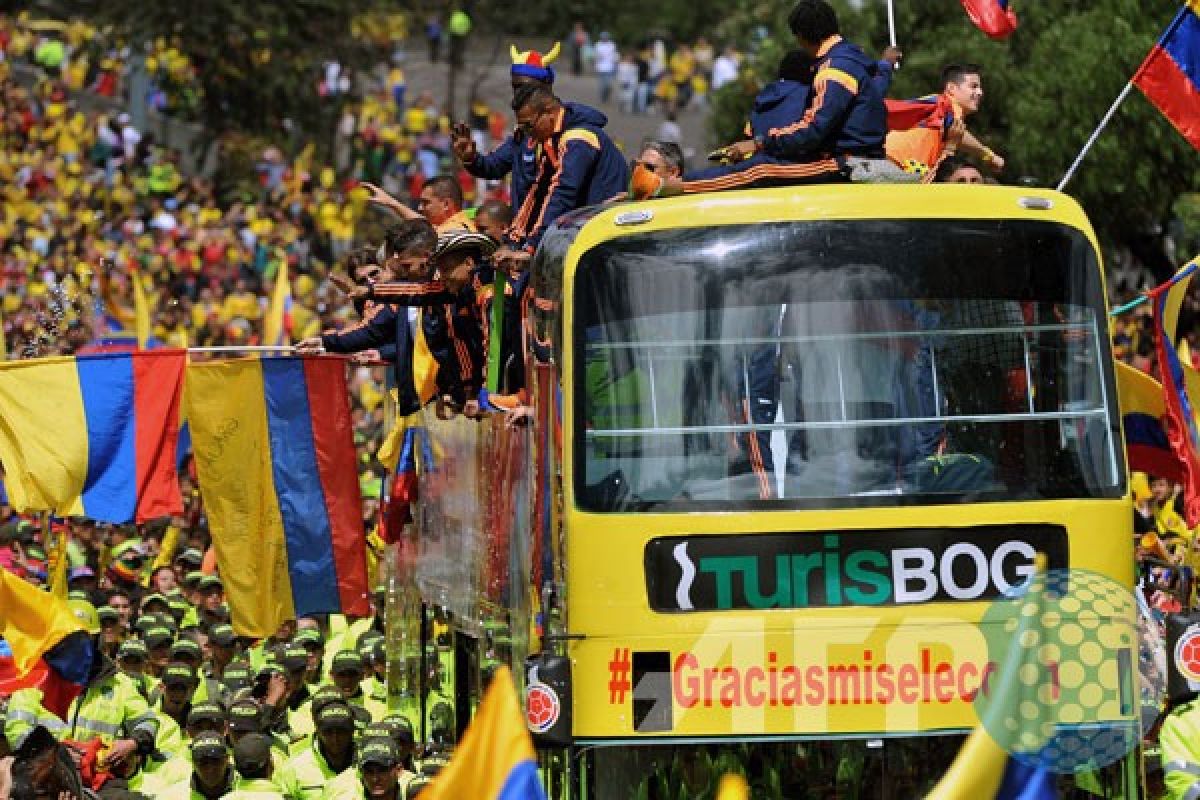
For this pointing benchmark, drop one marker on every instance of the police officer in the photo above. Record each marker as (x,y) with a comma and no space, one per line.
(252,757)
(113,710)
(305,775)
(1179,740)
(212,775)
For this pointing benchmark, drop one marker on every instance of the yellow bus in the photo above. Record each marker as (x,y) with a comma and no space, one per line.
(794,444)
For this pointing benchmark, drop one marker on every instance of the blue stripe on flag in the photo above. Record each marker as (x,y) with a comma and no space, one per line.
(522,783)
(307,532)
(1183,46)
(110,488)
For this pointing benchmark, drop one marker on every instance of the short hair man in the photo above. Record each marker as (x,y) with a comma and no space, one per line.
(577,164)
(664,159)
(928,131)
(963,84)
(440,202)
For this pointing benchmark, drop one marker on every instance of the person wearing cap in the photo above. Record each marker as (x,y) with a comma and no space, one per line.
(175,698)
(374,654)
(287,700)
(252,758)
(85,612)
(207,717)
(347,673)
(182,611)
(237,679)
(112,709)
(191,585)
(332,753)
(159,640)
(381,773)
(131,660)
(517,154)
(211,774)
(111,633)
(155,604)
(314,645)
(82,578)
(211,592)
(223,649)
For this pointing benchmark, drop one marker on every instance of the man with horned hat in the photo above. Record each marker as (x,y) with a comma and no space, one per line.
(517,153)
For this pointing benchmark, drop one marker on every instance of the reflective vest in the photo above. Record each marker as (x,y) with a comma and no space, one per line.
(348,786)
(255,790)
(26,712)
(1179,741)
(109,709)
(305,775)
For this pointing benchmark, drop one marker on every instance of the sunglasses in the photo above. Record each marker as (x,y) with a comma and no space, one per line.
(526,127)
(646,165)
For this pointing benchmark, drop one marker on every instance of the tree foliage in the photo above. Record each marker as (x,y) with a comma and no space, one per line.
(258,63)
(1046,89)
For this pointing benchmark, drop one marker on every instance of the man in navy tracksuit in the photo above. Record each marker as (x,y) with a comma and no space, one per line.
(577,165)
(517,154)
(829,131)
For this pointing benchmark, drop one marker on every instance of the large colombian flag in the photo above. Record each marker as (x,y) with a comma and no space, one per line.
(274,450)
(495,760)
(47,647)
(1170,75)
(93,436)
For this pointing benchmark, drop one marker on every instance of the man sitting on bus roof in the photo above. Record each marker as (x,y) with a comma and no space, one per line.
(835,133)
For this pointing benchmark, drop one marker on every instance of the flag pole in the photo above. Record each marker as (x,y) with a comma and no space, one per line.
(891,11)
(1095,135)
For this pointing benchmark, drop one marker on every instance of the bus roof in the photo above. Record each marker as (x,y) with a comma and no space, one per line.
(824,202)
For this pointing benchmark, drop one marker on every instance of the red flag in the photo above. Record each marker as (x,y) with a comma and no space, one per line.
(993,17)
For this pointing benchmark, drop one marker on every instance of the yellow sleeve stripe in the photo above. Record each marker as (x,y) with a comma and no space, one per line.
(579,135)
(837,76)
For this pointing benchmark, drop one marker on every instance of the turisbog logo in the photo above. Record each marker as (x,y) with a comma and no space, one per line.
(859,568)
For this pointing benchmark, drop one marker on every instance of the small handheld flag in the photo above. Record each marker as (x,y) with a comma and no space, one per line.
(993,17)
(1170,75)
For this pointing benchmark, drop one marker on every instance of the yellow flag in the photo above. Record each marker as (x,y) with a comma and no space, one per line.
(275,330)
(141,310)
(227,414)
(496,752)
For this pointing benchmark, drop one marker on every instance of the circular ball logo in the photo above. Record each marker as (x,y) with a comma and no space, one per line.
(1062,684)
(1187,655)
(542,707)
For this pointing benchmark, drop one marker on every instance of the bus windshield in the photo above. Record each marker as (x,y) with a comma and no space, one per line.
(841,364)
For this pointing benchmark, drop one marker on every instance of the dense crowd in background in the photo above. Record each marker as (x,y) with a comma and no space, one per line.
(82,190)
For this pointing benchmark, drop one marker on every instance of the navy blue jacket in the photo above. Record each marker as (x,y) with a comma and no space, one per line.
(778,105)
(385,326)
(845,113)
(578,166)
(516,155)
